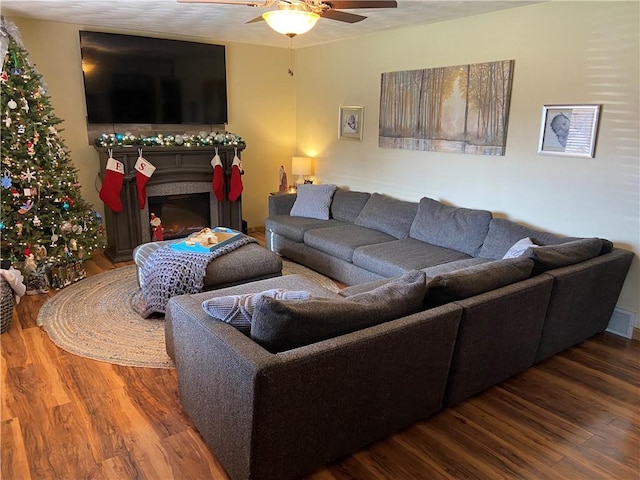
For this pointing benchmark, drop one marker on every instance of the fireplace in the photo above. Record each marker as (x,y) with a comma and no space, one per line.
(183,208)
(181,215)
(183,175)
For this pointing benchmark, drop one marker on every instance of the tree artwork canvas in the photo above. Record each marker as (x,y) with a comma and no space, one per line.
(459,109)
(47,229)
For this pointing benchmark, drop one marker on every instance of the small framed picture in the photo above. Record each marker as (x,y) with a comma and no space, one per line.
(350,122)
(569,130)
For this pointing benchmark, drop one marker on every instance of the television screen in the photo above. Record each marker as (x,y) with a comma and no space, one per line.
(130,79)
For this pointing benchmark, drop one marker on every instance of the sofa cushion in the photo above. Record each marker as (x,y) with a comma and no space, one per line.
(347,205)
(504,233)
(388,215)
(477,279)
(391,259)
(340,241)
(568,253)
(237,310)
(457,228)
(280,325)
(313,201)
(294,228)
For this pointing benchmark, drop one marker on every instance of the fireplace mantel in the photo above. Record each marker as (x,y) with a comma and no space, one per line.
(173,165)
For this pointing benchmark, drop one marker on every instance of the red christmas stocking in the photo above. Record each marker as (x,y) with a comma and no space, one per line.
(236,179)
(144,170)
(218,177)
(112,184)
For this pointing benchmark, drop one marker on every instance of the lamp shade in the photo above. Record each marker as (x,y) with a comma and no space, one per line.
(301,166)
(291,22)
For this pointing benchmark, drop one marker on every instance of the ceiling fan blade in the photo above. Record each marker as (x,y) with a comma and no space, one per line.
(342,16)
(256,20)
(348,4)
(227,2)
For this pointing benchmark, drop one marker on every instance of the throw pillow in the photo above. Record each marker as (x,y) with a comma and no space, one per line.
(518,248)
(280,325)
(237,310)
(313,201)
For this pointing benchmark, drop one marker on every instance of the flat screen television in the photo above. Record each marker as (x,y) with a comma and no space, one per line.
(131,79)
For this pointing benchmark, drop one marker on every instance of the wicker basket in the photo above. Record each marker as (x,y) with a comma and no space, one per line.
(6,305)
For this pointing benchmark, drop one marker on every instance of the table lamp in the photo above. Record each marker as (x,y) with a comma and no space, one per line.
(300,166)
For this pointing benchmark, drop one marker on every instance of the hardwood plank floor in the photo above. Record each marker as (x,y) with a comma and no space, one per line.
(574,416)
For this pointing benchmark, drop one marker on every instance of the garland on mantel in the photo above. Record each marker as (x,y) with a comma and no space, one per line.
(202,139)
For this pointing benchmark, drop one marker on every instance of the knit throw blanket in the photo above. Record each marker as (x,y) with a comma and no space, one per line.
(168,272)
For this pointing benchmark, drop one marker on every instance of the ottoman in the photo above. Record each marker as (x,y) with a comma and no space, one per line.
(246,264)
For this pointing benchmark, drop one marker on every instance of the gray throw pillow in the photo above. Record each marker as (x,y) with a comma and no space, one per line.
(470,281)
(280,325)
(388,215)
(313,201)
(237,310)
(563,254)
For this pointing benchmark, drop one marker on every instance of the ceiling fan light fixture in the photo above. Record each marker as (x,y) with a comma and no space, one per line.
(291,22)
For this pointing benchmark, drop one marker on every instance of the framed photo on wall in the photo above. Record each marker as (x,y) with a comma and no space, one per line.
(569,130)
(350,122)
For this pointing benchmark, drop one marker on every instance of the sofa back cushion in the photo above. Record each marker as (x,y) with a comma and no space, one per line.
(461,229)
(555,256)
(477,279)
(388,215)
(280,325)
(347,205)
(503,234)
(313,201)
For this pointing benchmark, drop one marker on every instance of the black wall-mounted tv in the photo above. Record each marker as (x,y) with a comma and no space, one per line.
(131,79)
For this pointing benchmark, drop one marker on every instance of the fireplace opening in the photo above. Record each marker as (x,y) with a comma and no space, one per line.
(181,215)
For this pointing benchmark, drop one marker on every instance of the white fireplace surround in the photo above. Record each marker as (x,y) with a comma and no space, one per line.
(180,188)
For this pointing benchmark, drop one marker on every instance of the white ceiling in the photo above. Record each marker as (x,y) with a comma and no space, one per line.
(226,23)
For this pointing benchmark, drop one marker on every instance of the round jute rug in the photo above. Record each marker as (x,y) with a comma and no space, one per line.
(96,318)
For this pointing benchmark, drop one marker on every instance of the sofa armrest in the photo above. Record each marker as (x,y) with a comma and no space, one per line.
(281,204)
(282,415)
(582,300)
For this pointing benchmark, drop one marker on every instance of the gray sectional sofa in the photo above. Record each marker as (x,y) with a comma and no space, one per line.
(314,380)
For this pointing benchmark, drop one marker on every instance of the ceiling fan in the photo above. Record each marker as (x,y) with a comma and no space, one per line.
(294,17)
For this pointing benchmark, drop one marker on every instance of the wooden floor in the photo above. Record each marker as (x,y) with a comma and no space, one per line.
(575,416)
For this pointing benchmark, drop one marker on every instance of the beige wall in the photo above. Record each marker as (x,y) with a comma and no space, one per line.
(261,98)
(564,52)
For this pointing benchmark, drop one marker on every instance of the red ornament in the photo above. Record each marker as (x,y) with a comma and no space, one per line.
(27,251)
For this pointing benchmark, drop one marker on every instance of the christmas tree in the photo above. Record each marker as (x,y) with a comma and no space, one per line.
(44,221)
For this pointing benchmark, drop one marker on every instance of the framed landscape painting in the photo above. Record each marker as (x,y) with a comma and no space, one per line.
(461,109)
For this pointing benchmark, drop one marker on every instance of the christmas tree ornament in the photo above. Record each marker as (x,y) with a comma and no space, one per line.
(217,183)
(28,175)
(7,121)
(144,170)
(112,184)
(1,225)
(73,244)
(36,221)
(25,104)
(6,180)
(4,76)
(236,178)
(25,207)
(21,129)
(12,104)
